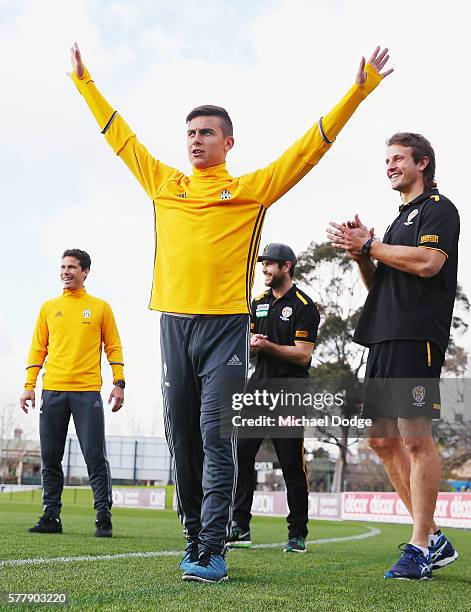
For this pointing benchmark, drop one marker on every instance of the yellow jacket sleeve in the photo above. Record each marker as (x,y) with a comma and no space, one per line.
(268,184)
(112,344)
(38,351)
(150,172)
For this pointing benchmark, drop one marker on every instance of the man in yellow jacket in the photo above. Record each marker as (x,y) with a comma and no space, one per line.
(70,331)
(216,220)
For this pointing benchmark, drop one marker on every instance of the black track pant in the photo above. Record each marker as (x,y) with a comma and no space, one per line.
(290,453)
(199,355)
(86,409)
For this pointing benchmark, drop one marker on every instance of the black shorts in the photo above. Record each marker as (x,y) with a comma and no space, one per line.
(402,380)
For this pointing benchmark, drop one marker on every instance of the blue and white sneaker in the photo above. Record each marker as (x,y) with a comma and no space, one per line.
(208,568)
(443,553)
(190,555)
(413,565)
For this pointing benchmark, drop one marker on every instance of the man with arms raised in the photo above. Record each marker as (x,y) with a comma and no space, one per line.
(406,325)
(213,220)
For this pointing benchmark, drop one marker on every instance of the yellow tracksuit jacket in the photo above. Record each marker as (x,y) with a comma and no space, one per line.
(70,331)
(210,222)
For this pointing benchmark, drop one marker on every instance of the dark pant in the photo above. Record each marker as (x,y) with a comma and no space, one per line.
(290,453)
(86,409)
(199,355)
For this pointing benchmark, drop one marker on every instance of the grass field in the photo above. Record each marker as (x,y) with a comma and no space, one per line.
(337,576)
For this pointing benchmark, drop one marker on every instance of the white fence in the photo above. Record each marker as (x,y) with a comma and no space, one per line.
(130,459)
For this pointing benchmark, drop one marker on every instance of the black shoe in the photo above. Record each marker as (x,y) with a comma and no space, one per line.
(47,524)
(296,545)
(239,538)
(104,528)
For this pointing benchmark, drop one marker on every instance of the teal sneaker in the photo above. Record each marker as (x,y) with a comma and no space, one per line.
(208,568)
(296,545)
(190,555)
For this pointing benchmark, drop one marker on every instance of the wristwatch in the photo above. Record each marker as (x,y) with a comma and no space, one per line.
(365,249)
(120,383)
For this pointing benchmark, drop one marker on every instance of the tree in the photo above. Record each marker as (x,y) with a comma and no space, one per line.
(457,357)
(337,290)
(453,432)
(11,419)
(6,429)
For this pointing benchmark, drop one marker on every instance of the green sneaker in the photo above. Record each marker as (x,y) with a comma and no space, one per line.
(239,538)
(297,545)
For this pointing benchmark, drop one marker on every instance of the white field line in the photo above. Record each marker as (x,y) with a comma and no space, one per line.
(372,531)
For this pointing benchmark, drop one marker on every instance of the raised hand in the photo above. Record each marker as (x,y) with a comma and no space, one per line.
(378,60)
(76,59)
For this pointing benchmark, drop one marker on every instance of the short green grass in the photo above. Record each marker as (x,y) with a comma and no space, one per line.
(343,576)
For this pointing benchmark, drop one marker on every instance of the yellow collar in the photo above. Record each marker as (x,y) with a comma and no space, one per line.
(213,173)
(75,293)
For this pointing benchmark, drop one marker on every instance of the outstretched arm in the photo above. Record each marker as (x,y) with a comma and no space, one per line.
(272,182)
(101,109)
(150,172)
(368,77)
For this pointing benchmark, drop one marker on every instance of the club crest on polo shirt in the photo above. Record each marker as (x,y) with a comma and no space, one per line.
(86,314)
(418,394)
(226,194)
(411,216)
(262,310)
(286,313)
